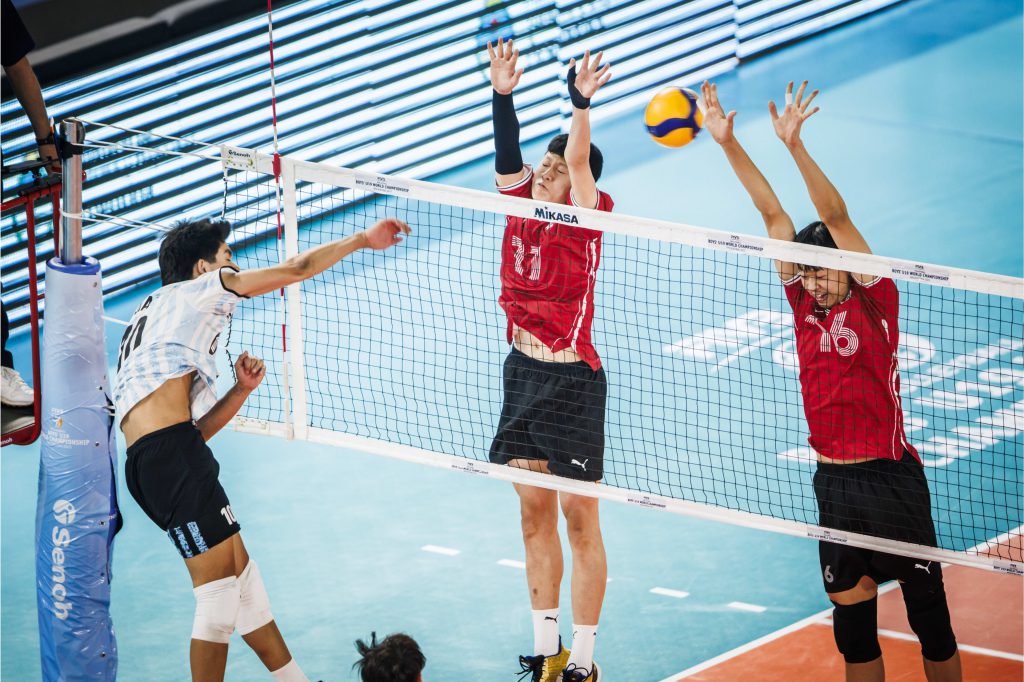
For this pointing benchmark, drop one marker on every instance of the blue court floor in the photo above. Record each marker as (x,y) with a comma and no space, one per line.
(920,129)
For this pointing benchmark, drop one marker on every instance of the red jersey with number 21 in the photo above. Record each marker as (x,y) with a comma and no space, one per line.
(849,374)
(548,274)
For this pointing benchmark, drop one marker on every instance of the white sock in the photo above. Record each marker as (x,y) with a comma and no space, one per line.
(290,673)
(583,637)
(545,632)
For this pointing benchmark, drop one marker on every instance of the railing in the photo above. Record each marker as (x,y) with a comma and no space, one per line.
(25,434)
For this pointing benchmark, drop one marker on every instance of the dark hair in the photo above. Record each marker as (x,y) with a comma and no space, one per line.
(816,234)
(557,146)
(187,242)
(395,659)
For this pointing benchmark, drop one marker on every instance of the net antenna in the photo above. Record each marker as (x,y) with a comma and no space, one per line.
(280,230)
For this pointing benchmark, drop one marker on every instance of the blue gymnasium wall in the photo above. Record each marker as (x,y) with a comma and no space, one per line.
(394,86)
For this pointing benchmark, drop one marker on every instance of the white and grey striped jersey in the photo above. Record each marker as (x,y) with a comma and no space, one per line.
(174,332)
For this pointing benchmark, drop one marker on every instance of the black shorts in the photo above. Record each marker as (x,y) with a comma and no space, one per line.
(172,474)
(553,412)
(883,498)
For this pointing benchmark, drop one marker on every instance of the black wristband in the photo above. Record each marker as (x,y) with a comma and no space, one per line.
(578,100)
(46,140)
(508,158)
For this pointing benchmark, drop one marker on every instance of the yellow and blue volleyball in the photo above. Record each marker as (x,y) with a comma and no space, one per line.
(673,118)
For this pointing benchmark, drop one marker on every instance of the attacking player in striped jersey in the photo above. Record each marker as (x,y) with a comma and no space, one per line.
(869,479)
(552,420)
(164,394)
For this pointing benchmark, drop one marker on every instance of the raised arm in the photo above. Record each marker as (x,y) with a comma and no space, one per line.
(826,199)
(776,220)
(829,204)
(26,88)
(508,158)
(382,235)
(583,84)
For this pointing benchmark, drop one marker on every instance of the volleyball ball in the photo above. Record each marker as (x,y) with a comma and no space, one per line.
(673,117)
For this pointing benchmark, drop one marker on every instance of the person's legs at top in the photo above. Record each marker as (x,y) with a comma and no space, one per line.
(6,359)
(13,390)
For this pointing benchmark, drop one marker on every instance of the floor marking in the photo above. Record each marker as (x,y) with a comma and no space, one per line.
(512,563)
(678,594)
(823,618)
(743,606)
(447,551)
(895,634)
(820,617)
(988,545)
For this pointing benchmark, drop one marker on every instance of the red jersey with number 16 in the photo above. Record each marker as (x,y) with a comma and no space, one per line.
(849,374)
(548,273)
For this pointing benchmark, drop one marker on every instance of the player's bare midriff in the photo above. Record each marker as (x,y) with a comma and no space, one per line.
(530,345)
(166,406)
(822,459)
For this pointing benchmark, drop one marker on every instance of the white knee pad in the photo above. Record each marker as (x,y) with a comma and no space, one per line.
(216,610)
(254,609)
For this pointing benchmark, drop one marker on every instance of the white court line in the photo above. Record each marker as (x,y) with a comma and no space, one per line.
(999,539)
(447,551)
(678,594)
(823,617)
(761,641)
(820,617)
(894,634)
(743,606)
(511,563)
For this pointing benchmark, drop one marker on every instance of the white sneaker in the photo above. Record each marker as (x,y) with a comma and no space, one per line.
(13,389)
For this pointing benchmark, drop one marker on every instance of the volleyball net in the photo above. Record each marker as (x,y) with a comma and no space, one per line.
(400,353)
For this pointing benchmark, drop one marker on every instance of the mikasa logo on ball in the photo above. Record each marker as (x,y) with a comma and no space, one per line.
(546,213)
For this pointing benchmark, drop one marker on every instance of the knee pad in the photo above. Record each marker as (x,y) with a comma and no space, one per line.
(254,607)
(216,610)
(855,627)
(928,615)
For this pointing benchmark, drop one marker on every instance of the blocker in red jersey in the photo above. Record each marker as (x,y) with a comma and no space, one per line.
(552,419)
(869,479)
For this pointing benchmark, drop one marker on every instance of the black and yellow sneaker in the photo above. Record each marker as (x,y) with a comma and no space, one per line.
(544,668)
(574,673)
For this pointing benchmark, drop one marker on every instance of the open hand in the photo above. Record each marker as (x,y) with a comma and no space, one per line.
(716,121)
(504,76)
(590,75)
(386,233)
(249,371)
(787,126)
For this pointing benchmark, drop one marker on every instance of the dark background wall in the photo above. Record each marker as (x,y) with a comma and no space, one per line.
(76,36)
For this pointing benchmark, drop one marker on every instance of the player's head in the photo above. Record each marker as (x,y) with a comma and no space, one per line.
(551,178)
(193,247)
(826,285)
(397,658)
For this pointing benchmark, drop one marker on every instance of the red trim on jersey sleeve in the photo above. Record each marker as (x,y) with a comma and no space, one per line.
(604,203)
(522,188)
(796,294)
